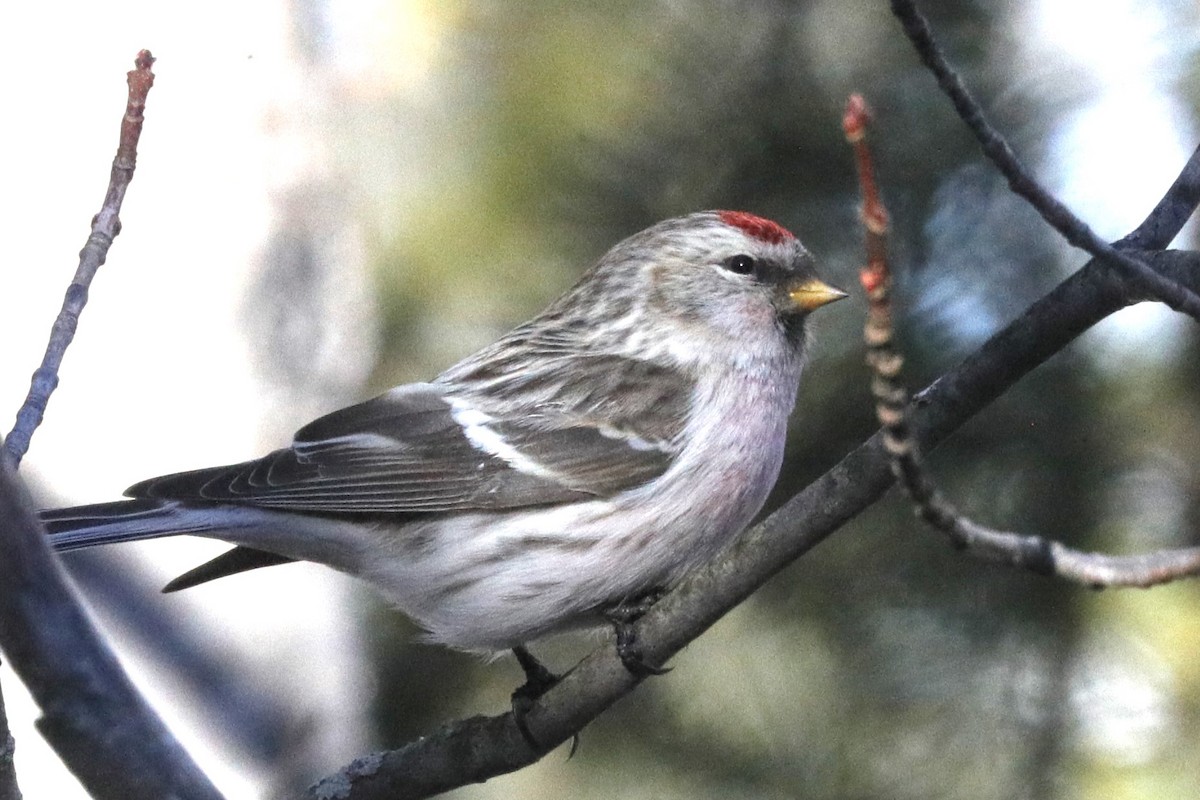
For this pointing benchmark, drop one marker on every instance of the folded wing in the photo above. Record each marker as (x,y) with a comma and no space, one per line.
(419,449)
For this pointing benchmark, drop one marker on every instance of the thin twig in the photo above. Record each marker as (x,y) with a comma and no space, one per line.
(1073,229)
(892,407)
(105,227)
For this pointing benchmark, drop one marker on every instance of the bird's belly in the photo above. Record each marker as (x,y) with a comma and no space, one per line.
(490,581)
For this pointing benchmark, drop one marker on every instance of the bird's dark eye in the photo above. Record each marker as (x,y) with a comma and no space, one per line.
(740,264)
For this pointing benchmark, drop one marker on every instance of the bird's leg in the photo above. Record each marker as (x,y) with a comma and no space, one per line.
(538,681)
(622,616)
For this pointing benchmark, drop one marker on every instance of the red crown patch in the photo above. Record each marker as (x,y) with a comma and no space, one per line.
(762,229)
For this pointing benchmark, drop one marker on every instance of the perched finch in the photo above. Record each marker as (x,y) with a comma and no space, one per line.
(589,457)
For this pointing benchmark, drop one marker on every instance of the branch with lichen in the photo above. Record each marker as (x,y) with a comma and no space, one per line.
(892,407)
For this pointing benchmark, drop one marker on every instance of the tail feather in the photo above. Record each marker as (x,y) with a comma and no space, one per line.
(231,562)
(121,521)
(150,518)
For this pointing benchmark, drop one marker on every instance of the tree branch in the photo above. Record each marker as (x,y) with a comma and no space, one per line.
(1034,553)
(92,715)
(1057,215)
(1168,217)
(246,712)
(105,227)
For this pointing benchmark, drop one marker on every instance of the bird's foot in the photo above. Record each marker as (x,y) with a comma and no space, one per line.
(622,616)
(538,681)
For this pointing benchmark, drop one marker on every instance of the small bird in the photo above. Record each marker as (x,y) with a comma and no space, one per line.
(585,461)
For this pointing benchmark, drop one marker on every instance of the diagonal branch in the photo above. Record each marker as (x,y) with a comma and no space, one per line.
(92,714)
(475,749)
(1167,218)
(105,227)
(1073,229)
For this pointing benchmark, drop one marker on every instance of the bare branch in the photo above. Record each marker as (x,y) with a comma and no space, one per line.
(1073,229)
(1035,553)
(1048,557)
(92,715)
(105,227)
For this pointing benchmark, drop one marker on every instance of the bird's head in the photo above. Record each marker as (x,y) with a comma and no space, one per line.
(715,280)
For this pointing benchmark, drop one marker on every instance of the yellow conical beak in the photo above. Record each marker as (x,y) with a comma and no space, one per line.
(812,294)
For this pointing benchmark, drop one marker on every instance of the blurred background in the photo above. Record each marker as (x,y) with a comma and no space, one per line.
(336,196)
